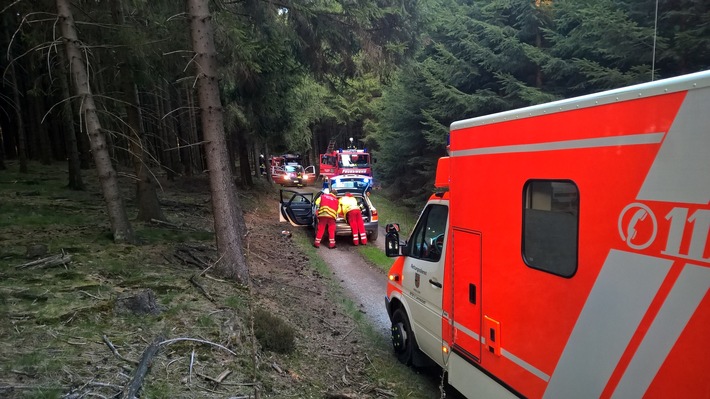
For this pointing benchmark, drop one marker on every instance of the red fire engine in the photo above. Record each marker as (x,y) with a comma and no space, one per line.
(344,161)
(565,253)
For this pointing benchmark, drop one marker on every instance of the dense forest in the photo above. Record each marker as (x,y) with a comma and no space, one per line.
(166,88)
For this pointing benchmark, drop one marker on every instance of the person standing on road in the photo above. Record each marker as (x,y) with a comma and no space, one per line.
(327,210)
(350,208)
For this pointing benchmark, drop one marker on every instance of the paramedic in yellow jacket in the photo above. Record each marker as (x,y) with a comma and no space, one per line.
(327,209)
(350,208)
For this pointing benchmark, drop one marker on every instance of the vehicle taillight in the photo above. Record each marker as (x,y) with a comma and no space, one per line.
(374,214)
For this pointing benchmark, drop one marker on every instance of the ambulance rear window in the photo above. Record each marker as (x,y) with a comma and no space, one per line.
(550,220)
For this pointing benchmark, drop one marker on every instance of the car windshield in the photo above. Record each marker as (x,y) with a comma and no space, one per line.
(355,160)
(294,168)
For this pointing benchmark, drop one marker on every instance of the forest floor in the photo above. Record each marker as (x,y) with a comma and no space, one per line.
(66,333)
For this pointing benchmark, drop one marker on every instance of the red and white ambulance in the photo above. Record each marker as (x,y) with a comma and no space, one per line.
(565,253)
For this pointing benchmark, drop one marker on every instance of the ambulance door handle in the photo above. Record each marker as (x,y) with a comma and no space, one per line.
(472,293)
(435,283)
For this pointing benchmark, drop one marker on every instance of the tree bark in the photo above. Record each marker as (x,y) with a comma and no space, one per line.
(184,126)
(170,140)
(226,209)
(196,165)
(120,226)
(21,146)
(75,180)
(146,194)
(244,166)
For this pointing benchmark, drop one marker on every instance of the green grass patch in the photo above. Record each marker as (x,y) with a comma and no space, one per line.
(43,393)
(29,215)
(152,235)
(205,321)
(158,390)
(235,302)
(391,212)
(376,257)
(273,333)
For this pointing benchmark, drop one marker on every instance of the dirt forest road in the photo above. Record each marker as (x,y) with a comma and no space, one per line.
(366,286)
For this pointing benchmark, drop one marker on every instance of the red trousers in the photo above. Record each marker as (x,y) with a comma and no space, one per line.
(324,223)
(357,226)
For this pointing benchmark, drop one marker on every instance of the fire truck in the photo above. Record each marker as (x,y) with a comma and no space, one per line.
(286,170)
(564,253)
(349,161)
(279,161)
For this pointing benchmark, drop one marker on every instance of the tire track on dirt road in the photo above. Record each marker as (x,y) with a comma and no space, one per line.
(363,283)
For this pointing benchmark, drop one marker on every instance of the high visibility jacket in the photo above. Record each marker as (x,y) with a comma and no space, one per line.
(327,206)
(348,203)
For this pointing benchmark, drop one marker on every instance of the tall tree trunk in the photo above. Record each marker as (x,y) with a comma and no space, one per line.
(120,226)
(21,137)
(2,150)
(184,127)
(254,151)
(170,140)
(75,180)
(244,166)
(146,194)
(195,156)
(226,209)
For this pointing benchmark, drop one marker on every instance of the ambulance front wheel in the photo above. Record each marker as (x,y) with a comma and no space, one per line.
(403,341)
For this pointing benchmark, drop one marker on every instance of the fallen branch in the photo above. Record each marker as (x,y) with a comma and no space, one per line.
(332,327)
(50,261)
(345,336)
(185,260)
(381,391)
(164,223)
(135,384)
(182,252)
(218,280)
(260,257)
(277,368)
(192,362)
(218,379)
(172,341)
(204,292)
(115,351)
(104,385)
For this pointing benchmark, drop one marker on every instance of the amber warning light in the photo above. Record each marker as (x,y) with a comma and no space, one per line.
(394,277)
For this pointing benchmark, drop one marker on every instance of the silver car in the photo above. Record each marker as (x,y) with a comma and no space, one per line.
(300,210)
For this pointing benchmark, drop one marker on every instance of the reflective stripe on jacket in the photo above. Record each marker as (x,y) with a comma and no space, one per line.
(348,203)
(327,206)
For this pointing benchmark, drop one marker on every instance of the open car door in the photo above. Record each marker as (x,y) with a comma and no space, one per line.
(296,208)
(310,177)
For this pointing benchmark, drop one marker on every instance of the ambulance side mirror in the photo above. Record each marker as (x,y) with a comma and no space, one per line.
(392,246)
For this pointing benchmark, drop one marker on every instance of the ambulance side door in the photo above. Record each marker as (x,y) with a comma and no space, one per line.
(423,277)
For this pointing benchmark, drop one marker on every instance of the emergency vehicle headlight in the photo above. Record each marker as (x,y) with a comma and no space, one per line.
(394,277)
